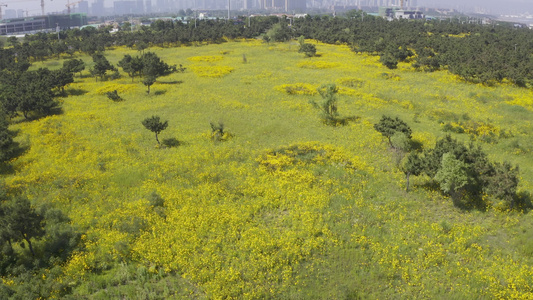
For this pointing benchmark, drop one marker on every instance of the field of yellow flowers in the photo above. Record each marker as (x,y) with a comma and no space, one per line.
(287,207)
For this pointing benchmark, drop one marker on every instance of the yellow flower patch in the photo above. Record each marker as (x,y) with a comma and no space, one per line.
(318,65)
(206,58)
(212,71)
(298,89)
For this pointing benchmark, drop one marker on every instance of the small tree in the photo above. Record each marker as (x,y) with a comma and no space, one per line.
(503,183)
(148,82)
(155,125)
(74,66)
(413,165)
(114,96)
(388,126)
(308,49)
(388,60)
(101,66)
(328,106)
(131,65)
(219,133)
(24,222)
(453,176)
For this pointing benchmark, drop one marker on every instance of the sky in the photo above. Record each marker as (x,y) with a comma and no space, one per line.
(489,6)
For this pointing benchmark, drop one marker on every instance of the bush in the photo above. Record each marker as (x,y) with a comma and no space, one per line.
(114,96)
(308,49)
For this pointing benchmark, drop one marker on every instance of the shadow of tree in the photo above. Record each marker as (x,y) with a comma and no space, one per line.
(171,82)
(75,92)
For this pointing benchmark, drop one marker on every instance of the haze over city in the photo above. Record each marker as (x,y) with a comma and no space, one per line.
(495,7)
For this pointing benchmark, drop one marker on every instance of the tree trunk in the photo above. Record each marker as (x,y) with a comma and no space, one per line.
(157,139)
(407,182)
(9,243)
(29,244)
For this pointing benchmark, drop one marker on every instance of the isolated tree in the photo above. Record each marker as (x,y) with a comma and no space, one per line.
(74,65)
(114,96)
(388,126)
(453,177)
(155,125)
(308,49)
(328,106)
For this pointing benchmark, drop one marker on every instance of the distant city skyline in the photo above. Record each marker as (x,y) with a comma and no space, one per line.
(495,7)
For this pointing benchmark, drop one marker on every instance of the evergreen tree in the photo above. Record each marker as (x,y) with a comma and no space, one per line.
(388,126)
(453,177)
(413,165)
(101,66)
(155,125)
(74,66)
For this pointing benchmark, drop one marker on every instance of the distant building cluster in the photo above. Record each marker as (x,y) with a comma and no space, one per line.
(143,7)
(39,23)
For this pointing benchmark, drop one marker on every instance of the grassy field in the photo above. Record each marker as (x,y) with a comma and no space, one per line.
(288,207)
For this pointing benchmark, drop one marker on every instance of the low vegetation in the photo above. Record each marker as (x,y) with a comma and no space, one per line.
(284,206)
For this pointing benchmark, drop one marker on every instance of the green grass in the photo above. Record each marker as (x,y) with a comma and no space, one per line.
(333,222)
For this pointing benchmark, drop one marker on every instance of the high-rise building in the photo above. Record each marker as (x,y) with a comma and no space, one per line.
(10,14)
(98,8)
(140,6)
(148,6)
(162,5)
(124,8)
(284,5)
(20,13)
(83,7)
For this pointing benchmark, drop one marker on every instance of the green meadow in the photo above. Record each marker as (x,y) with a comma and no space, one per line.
(283,206)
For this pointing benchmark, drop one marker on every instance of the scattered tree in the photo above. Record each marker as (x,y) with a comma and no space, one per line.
(148,82)
(328,106)
(74,66)
(308,49)
(155,125)
(131,65)
(388,126)
(114,96)
(101,66)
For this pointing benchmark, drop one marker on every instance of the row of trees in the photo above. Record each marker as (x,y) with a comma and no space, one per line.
(462,171)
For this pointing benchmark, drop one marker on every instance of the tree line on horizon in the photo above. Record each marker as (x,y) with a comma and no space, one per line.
(484,54)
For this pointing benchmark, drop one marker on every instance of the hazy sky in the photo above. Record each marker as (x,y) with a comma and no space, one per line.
(491,6)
